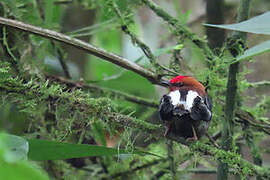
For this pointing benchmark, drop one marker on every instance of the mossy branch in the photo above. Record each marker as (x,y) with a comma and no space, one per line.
(253,146)
(231,92)
(233,160)
(245,117)
(146,50)
(180,30)
(113,93)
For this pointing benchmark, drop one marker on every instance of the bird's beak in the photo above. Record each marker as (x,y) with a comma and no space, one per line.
(165,83)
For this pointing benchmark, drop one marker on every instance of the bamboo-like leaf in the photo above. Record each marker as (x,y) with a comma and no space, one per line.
(49,150)
(258,25)
(254,51)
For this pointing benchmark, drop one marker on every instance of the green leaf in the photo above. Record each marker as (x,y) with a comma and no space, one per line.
(22,170)
(17,148)
(167,50)
(90,30)
(179,47)
(258,25)
(119,79)
(11,167)
(49,150)
(254,51)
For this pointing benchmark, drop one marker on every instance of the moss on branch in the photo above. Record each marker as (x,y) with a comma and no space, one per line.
(76,110)
(180,30)
(112,93)
(38,98)
(235,46)
(233,160)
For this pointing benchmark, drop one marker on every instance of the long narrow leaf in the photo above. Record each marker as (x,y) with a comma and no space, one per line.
(49,150)
(254,51)
(258,25)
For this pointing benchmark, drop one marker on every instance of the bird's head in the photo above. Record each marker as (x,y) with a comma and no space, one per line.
(183,81)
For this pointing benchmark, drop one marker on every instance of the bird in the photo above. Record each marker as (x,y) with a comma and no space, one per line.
(186,109)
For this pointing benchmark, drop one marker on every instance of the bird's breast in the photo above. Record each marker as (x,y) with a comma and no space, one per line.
(183,98)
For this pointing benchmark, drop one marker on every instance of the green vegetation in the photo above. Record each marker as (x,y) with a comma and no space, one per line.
(60,109)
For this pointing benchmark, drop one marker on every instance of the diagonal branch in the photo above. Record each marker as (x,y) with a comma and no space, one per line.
(233,160)
(133,170)
(259,84)
(180,29)
(101,53)
(146,50)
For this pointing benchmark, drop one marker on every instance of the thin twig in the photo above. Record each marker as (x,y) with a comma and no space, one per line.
(259,127)
(212,140)
(63,2)
(216,135)
(173,73)
(6,50)
(58,50)
(131,171)
(170,154)
(247,117)
(204,171)
(259,84)
(61,60)
(101,53)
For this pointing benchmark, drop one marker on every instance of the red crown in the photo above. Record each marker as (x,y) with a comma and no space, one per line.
(178,79)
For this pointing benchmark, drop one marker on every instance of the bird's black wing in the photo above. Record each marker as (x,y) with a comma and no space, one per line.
(166,108)
(201,109)
(208,102)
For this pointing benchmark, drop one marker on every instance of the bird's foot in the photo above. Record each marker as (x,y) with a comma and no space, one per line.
(167,129)
(191,139)
(194,138)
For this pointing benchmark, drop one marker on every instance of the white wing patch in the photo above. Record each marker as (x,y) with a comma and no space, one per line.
(190,98)
(176,99)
